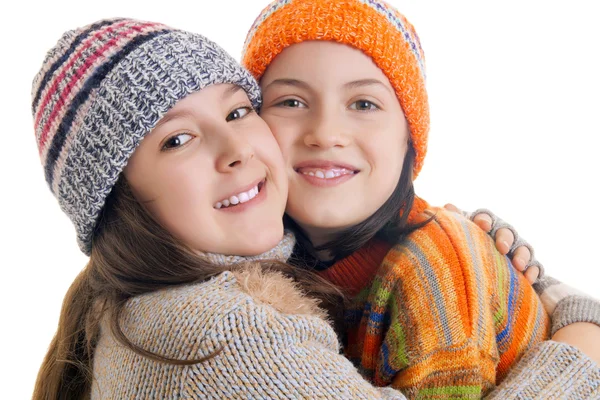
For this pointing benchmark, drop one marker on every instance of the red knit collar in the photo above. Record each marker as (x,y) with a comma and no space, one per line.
(354,272)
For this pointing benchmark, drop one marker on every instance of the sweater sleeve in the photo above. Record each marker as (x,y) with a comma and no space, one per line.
(565,304)
(430,353)
(459,315)
(267,354)
(551,370)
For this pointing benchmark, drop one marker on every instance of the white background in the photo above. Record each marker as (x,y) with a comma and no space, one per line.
(515,96)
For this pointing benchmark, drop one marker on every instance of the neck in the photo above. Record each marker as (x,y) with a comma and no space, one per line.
(319,237)
(281,252)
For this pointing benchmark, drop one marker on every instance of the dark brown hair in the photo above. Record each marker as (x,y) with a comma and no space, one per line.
(131,255)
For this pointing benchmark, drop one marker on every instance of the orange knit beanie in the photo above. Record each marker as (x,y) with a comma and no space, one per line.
(371,26)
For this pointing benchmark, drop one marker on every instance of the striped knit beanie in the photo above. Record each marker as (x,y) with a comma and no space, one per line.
(101,89)
(371,26)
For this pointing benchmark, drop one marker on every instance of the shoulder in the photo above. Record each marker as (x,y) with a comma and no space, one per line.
(438,281)
(445,234)
(233,318)
(446,251)
(174,321)
(447,224)
(169,307)
(273,289)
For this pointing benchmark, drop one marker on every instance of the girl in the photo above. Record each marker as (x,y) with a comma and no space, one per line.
(344,93)
(185,294)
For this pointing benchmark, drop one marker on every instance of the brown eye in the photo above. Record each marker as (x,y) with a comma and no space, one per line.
(292,103)
(364,105)
(176,141)
(238,113)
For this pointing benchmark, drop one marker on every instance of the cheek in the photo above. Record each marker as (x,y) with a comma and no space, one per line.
(390,162)
(186,189)
(270,154)
(181,209)
(286,132)
(178,195)
(264,141)
(139,174)
(385,152)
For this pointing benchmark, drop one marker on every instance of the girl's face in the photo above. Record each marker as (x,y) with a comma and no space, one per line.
(211,173)
(342,132)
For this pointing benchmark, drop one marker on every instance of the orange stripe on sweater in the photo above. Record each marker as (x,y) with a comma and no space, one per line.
(439,369)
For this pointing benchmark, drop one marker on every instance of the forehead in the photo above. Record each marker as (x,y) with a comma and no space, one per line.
(329,60)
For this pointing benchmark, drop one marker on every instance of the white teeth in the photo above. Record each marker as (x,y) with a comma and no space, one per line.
(252,194)
(238,199)
(244,197)
(328,174)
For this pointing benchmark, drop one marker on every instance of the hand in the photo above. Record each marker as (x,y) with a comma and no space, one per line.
(521,255)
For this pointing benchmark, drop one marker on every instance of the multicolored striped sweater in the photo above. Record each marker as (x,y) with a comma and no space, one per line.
(441,315)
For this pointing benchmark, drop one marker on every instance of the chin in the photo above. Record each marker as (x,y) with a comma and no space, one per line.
(260,242)
(334,221)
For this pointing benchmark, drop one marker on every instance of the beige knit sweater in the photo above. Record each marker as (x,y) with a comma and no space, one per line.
(275,345)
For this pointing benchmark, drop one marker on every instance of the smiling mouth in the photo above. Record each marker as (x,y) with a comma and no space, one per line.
(326,173)
(240,198)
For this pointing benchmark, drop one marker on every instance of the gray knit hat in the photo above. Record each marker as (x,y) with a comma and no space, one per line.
(101,89)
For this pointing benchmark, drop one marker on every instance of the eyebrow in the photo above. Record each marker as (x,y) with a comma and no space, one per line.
(169,117)
(366,82)
(230,91)
(288,82)
(188,114)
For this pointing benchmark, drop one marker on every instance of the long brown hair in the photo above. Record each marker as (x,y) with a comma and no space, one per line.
(131,255)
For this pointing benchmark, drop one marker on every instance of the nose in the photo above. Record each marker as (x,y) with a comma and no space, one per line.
(235,152)
(326,131)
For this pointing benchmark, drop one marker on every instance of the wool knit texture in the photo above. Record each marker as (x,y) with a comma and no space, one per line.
(372,26)
(566,304)
(275,345)
(551,371)
(443,313)
(268,341)
(101,89)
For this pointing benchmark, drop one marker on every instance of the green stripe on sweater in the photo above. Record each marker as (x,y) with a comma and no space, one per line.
(472,392)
